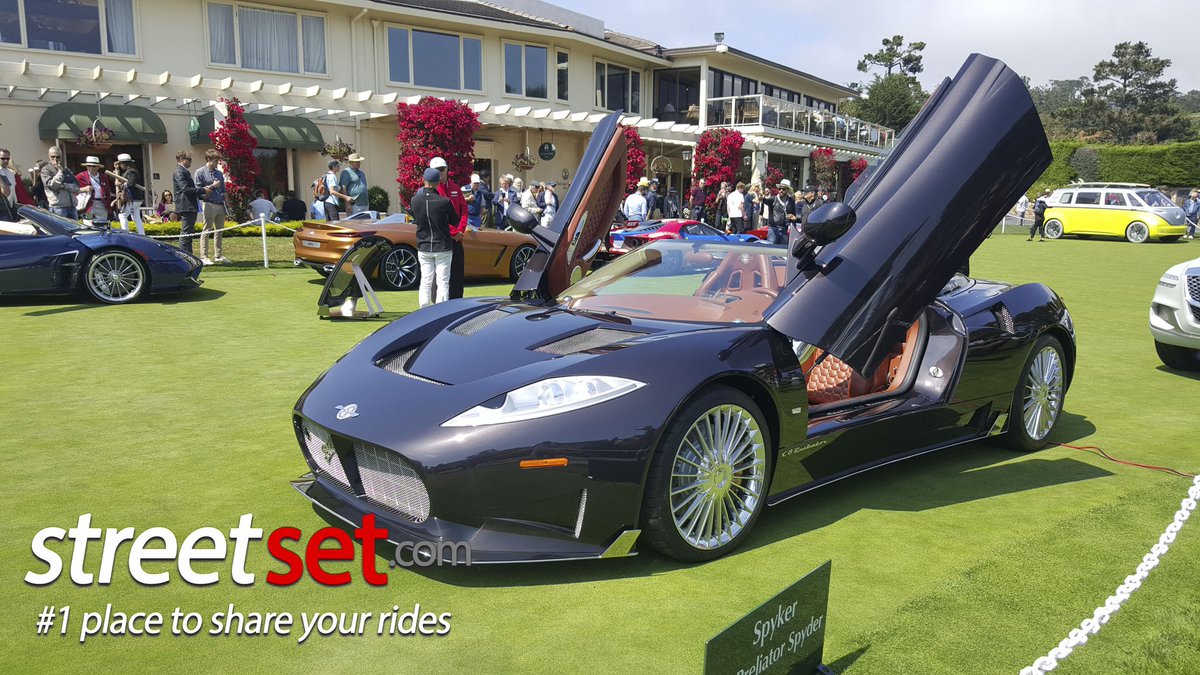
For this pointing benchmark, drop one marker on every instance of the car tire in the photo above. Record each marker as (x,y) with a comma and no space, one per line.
(115,277)
(701,503)
(399,269)
(1137,232)
(1171,239)
(520,259)
(1179,358)
(1040,391)
(1053,229)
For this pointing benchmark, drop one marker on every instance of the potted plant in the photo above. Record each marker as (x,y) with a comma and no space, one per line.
(523,161)
(96,136)
(338,149)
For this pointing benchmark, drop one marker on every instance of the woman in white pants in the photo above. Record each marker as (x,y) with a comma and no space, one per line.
(135,194)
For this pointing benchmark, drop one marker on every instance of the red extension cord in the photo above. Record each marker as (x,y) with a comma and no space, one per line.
(1094,450)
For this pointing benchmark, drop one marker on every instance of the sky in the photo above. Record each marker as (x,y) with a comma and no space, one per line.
(1041,40)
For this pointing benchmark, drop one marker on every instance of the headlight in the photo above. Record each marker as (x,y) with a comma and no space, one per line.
(548,397)
(1168,281)
(1068,322)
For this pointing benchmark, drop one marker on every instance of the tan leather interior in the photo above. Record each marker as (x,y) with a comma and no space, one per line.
(832,381)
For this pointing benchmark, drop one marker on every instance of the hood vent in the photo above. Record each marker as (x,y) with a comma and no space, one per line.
(478,323)
(397,362)
(588,339)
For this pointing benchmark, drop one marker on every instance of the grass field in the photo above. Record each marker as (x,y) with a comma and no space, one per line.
(175,412)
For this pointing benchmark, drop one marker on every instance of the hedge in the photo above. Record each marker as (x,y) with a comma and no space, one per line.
(1175,164)
(273,229)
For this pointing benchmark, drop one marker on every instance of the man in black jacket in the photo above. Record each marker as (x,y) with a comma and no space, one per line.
(1039,216)
(780,209)
(184,188)
(433,214)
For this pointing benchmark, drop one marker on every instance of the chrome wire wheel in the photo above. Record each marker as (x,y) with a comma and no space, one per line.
(520,260)
(400,268)
(717,477)
(1137,232)
(1043,393)
(115,277)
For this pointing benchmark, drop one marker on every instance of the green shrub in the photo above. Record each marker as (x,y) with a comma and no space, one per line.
(1086,162)
(377,199)
(1060,172)
(1167,164)
(273,229)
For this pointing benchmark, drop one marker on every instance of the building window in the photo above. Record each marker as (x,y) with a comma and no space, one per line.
(562,59)
(78,26)
(819,104)
(722,84)
(617,88)
(782,94)
(525,68)
(260,38)
(424,58)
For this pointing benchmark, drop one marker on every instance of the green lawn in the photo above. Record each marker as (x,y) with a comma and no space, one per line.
(176,412)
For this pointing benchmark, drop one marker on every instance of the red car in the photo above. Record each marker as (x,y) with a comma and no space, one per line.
(622,241)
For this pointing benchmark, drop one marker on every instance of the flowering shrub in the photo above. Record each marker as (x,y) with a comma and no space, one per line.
(718,155)
(824,167)
(857,166)
(232,138)
(432,128)
(773,178)
(338,149)
(635,159)
(95,135)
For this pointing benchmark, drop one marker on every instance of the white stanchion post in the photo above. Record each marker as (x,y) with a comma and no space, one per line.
(262,223)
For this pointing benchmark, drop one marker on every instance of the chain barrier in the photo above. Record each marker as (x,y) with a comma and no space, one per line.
(1088,627)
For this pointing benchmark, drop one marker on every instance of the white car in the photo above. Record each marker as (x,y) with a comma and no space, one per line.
(1175,316)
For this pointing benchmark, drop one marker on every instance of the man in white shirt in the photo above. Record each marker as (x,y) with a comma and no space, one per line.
(635,204)
(262,207)
(735,207)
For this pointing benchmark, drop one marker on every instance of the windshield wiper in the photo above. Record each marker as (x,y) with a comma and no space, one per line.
(610,315)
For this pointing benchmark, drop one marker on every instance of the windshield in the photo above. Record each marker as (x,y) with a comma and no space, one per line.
(50,223)
(681,281)
(1154,198)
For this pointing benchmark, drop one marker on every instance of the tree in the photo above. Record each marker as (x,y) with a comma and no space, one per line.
(232,138)
(1190,101)
(635,159)
(1058,94)
(895,56)
(1131,102)
(430,128)
(891,101)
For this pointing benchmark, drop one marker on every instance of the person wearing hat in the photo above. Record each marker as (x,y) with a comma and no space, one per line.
(1191,209)
(99,188)
(481,202)
(1039,217)
(653,200)
(434,215)
(335,201)
(132,194)
(61,186)
(458,228)
(548,200)
(634,207)
(779,209)
(807,203)
(353,183)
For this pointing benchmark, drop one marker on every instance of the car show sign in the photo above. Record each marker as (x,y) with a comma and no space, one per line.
(785,634)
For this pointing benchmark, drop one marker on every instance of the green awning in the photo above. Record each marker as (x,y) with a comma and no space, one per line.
(130,123)
(272,131)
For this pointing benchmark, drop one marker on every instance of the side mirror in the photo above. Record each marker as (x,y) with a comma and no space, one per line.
(829,222)
(521,219)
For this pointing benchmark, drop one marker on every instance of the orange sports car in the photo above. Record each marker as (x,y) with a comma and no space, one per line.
(490,254)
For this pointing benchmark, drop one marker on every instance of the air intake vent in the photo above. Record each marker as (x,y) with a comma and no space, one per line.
(324,457)
(478,323)
(1193,284)
(1004,318)
(391,483)
(397,362)
(589,339)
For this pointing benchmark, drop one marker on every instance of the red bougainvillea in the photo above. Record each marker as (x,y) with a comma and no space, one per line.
(774,177)
(857,166)
(635,159)
(232,138)
(825,167)
(432,128)
(718,154)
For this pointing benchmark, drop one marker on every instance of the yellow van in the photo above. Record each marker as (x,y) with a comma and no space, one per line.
(1130,210)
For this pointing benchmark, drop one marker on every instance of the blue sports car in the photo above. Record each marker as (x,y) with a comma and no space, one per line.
(48,254)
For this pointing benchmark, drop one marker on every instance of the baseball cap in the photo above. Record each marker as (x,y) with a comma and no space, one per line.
(432,175)
(475,178)
(437,163)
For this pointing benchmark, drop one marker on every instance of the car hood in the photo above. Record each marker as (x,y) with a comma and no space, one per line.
(961,164)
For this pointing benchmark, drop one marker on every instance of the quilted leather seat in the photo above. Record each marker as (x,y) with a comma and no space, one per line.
(832,380)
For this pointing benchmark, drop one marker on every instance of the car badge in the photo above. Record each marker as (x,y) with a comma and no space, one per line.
(745,258)
(345,412)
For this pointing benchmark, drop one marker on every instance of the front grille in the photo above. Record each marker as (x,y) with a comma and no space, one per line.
(478,323)
(589,339)
(1193,283)
(390,483)
(397,362)
(1195,313)
(324,457)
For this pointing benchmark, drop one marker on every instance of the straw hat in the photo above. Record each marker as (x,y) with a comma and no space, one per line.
(92,160)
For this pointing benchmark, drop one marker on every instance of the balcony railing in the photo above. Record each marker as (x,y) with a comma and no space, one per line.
(776,113)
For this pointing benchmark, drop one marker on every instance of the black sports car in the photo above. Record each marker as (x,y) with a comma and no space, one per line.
(676,392)
(48,254)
